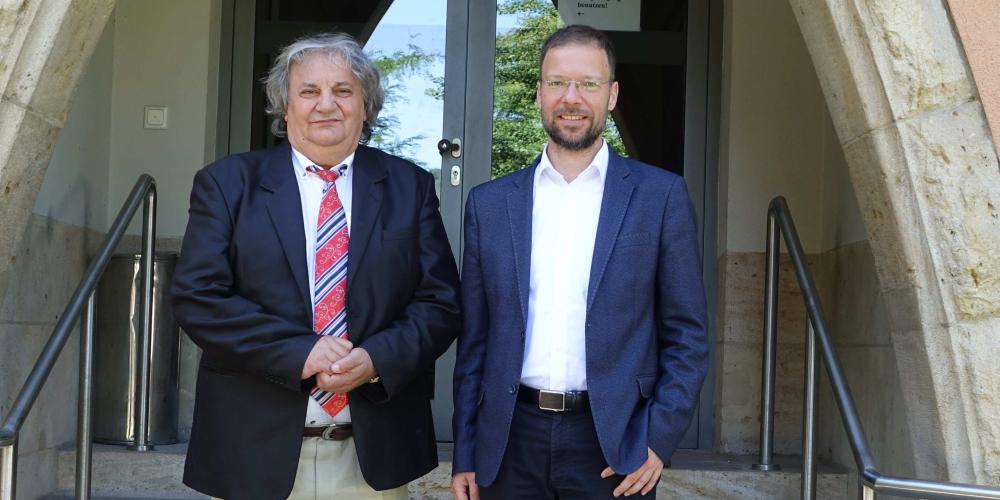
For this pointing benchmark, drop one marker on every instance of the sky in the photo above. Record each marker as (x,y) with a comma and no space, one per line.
(422,23)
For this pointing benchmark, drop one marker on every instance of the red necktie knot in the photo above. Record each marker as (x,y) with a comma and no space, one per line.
(327,174)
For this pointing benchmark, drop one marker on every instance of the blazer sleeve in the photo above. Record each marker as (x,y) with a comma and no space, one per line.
(471,354)
(681,325)
(430,322)
(207,306)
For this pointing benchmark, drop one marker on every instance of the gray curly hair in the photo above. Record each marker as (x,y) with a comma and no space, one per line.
(333,45)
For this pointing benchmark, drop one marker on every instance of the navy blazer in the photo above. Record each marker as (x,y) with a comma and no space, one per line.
(241,292)
(645,327)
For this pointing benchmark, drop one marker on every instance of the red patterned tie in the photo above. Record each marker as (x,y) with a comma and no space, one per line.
(330,277)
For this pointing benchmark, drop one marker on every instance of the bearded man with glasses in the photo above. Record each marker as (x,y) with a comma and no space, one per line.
(583,348)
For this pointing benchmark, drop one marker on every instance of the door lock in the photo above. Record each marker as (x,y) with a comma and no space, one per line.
(456,175)
(453,146)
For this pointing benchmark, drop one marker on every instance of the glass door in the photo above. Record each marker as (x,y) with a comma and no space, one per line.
(467,125)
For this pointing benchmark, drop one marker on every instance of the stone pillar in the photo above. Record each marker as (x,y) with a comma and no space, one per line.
(925,171)
(44,48)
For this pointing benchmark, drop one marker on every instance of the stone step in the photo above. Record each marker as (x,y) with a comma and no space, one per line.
(705,475)
(119,473)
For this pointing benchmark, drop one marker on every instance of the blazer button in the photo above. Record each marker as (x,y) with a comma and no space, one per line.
(513,388)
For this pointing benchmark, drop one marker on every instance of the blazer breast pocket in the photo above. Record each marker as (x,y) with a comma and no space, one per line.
(633,239)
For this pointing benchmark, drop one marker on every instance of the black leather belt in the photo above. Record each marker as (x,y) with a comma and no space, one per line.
(553,400)
(333,432)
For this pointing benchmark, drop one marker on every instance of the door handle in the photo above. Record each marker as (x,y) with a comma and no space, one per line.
(453,146)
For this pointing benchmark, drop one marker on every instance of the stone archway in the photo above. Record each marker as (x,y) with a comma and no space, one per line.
(925,170)
(45,46)
(907,113)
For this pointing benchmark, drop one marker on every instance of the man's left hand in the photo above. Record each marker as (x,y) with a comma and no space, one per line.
(642,480)
(348,373)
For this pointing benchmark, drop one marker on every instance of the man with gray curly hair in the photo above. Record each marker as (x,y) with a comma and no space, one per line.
(317,278)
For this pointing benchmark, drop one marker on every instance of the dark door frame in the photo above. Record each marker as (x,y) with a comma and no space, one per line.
(701,172)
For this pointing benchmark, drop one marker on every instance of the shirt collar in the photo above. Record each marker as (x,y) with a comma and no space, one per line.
(300,162)
(599,163)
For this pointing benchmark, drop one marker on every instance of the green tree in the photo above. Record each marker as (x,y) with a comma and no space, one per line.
(518,135)
(394,68)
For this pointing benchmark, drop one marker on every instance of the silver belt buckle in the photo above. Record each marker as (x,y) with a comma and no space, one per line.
(551,400)
(329,430)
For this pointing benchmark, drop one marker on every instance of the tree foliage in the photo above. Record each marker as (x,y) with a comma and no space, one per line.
(518,135)
(394,68)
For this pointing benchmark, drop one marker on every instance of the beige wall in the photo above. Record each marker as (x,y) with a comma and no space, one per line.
(859,320)
(778,139)
(166,53)
(162,57)
(51,259)
(151,53)
(976,22)
(75,188)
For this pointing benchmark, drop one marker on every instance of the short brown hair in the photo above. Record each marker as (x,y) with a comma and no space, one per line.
(579,34)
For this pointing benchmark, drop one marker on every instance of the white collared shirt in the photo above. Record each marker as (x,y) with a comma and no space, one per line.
(311,194)
(563,231)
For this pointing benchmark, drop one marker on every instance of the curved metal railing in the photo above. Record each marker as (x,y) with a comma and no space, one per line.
(143,192)
(872,481)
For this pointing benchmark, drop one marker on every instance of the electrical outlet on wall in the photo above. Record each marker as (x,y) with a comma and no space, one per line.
(154,117)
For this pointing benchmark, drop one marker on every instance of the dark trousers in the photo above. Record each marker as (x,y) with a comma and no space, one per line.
(552,456)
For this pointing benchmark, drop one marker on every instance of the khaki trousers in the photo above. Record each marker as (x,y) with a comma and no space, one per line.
(330,470)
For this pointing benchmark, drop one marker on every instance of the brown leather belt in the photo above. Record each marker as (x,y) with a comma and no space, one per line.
(554,401)
(333,432)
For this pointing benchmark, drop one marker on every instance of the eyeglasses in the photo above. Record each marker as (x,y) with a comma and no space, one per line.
(560,86)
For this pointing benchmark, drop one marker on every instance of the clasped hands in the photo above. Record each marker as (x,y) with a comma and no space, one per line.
(339,367)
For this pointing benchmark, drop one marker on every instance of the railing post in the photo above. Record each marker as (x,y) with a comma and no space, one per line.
(770,346)
(146,345)
(8,470)
(809,418)
(84,428)
(865,492)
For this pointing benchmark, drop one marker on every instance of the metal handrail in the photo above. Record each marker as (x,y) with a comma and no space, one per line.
(872,481)
(143,192)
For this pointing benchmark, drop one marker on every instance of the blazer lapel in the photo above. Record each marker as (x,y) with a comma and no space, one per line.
(285,210)
(617,193)
(366,202)
(519,206)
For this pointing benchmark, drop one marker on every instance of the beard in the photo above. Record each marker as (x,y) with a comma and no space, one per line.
(579,143)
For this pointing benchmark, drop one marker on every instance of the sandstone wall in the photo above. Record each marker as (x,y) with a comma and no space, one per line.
(925,171)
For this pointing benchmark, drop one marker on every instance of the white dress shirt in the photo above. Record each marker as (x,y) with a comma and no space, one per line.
(563,230)
(311,194)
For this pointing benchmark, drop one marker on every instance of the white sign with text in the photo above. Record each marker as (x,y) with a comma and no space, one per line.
(607,15)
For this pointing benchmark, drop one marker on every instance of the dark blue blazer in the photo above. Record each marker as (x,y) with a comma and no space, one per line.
(241,292)
(645,326)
